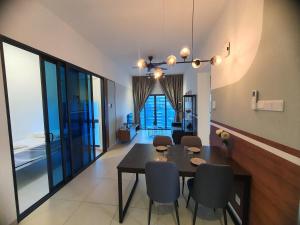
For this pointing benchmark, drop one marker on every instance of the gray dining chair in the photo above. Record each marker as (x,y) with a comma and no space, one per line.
(190,141)
(211,187)
(162,181)
(160,140)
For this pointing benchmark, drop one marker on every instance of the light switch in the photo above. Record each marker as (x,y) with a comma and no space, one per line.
(214,104)
(271,105)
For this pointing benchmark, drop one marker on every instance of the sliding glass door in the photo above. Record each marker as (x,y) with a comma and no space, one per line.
(55,120)
(157,113)
(26,123)
(53,125)
(81,126)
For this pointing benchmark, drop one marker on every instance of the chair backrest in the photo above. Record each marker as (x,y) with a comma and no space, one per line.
(162,181)
(191,141)
(160,140)
(212,185)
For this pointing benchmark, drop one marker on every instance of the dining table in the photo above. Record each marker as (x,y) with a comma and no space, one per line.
(135,161)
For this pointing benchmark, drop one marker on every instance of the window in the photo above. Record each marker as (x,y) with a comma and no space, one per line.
(157,113)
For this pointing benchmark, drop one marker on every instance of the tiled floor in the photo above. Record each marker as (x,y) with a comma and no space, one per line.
(91,198)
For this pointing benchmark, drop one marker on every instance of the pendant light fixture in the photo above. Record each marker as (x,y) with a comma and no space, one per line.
(184,53)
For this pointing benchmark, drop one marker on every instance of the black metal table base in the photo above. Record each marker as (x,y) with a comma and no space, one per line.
(122,212)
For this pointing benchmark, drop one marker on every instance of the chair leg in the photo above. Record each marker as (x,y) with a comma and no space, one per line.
(176,211)
(149,211)
(188,200)
(183,182)
(225,216)
(195,213)
(177,203)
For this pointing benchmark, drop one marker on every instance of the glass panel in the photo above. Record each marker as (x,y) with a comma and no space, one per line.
(161,111)
(142,119)
(170,114)
(65,122)
(83,82)
(27,124)
(75,119)
(54,124)
(79,98)
(157,108)
(150,116)
(91,116)
(97,106)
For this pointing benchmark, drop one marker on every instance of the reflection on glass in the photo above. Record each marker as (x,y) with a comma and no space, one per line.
(65,123)
(27,124)
(97,115)
(54,124)
(79,98)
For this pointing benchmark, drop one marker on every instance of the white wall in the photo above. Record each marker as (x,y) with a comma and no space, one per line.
(25,103)
(199,83)
(240,23)
(124,104)
(31,23)
(203,106)
(190,80)
(157,90)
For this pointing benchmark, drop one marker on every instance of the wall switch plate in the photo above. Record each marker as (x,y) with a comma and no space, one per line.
(214,104)
(271,105)
(237,199)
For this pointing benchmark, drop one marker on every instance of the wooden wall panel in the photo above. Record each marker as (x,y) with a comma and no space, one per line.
(275,187)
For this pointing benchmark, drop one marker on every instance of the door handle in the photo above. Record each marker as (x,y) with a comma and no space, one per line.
(51,136)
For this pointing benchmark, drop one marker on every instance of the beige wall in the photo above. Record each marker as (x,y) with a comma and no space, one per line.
(124,104)
(273,70)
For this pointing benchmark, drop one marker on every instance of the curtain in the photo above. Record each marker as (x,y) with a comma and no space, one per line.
(141,88)
(172,85)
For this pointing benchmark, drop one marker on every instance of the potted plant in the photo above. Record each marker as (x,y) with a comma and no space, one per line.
(225,136)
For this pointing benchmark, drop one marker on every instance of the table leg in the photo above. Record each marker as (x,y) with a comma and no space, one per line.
(122,211)
(120,196)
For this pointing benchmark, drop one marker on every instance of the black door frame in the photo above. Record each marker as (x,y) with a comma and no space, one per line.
(43,55)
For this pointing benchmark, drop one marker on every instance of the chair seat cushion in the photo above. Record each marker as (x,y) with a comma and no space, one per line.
(190,183)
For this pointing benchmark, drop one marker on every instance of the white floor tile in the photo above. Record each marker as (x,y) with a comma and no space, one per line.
(52,212)
(136,216)
(92,214)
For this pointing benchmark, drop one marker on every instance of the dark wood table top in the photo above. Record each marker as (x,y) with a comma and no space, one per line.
(140,154)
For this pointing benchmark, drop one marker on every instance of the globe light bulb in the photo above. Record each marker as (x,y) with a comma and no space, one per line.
(141,63)
(216,60)
(196,63)
(157,72)
(185,52)
(171,60)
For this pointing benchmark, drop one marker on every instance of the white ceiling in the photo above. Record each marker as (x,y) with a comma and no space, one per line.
(124,30)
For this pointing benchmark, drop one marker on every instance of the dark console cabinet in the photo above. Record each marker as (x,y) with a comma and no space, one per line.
(127,134)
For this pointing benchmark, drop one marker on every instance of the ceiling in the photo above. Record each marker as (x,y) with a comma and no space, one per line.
(125,30)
